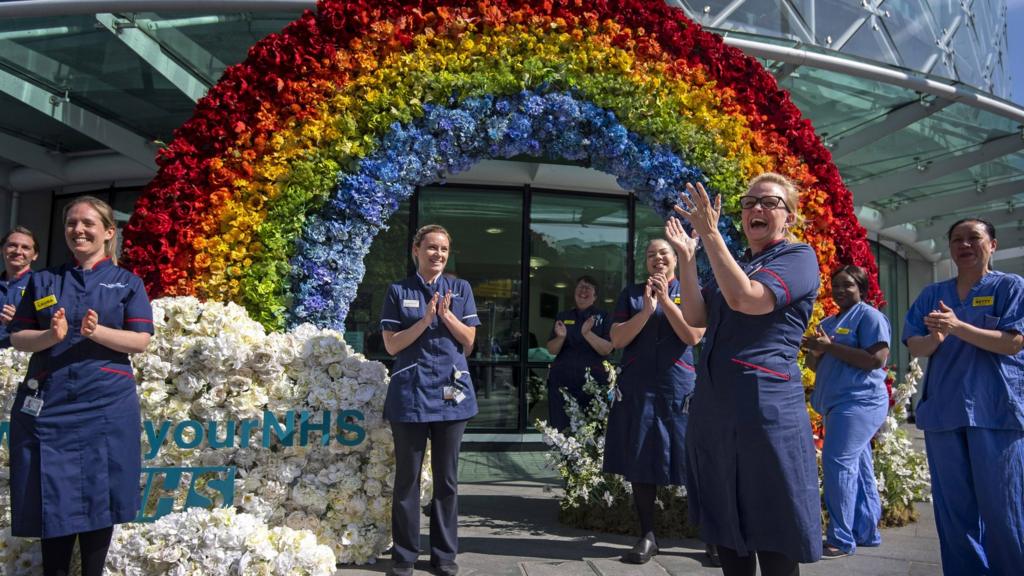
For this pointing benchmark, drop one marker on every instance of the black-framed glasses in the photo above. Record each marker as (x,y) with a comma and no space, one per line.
(766,202)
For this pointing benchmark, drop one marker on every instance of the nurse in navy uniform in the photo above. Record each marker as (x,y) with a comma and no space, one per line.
(579,341)
(752,479)
(428,323)
(75,453)
(645,441)
(20,250)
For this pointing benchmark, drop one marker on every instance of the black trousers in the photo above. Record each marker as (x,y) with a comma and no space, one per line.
(410,446)
(92,545)
(772,563)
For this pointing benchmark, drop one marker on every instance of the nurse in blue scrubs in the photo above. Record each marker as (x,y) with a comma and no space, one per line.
(75,454)
(752,479)
(428,323)
(20,250)
(645,441)
(848,352)
(579,341)
(972,405)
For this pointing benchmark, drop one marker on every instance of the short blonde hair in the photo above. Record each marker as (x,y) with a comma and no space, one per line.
(791,194)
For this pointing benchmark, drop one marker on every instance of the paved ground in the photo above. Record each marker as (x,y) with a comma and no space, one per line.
(509,527)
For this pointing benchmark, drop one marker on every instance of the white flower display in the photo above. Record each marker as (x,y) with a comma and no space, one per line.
(297,415)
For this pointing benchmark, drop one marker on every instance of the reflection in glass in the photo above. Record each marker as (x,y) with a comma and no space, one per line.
(486,228)
(571,237)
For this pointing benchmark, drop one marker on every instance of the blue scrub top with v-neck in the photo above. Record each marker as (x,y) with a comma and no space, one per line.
(837,382)
(963,384)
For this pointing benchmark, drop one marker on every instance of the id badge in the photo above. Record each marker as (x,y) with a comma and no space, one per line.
(33,405)
(454,394)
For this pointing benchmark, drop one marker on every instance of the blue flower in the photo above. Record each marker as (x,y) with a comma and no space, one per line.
(328,263)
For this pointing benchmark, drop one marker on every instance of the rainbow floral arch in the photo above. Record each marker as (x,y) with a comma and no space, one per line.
(272,193)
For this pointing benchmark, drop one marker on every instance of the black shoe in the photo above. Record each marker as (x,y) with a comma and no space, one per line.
(712,553)
(401,569)
(448,568)
(642,551)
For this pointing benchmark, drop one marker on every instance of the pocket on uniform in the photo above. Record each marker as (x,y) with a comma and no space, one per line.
(990,322)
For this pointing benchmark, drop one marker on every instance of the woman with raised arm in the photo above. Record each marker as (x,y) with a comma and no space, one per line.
(752,480)
(20,250)
(75,444)
(646,437)
(972,405)
(428,323)
(579,341)
(848,352)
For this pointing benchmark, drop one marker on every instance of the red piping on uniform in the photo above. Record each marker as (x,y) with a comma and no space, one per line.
(784,287)
(628,362)
(146,320)
(116,371)
(685,365)
(23,319)
(761,368)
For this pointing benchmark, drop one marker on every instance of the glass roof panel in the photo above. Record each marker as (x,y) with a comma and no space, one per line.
(99,72)
(867,43)
(965,57)
(838,103)
(912,32)
(39,129)
(956,128)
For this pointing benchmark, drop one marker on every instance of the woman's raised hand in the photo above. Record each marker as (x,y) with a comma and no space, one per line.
(684,244)
(59,325)
(89,323)
(560,330)
(697,209)
(431,311)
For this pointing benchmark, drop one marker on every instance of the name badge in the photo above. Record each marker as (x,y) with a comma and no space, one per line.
(33,405)
(410,303)
(982,301)
(677,300)
(568,322)
(842,330)
(454,394)
(45,302)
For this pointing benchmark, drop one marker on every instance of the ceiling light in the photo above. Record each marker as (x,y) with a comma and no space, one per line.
(537,262)
(561,285)
(494,230)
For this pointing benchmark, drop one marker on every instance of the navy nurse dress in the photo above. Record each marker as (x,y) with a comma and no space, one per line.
(11,291)
(752,478)
(646,434)
(75,467)
(569,369)
(435,359)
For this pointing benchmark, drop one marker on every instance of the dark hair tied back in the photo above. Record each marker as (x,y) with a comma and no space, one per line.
(989,228)
(859,275)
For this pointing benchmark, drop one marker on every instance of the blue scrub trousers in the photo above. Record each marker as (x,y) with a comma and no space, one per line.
(851,495)
(410,447)
(978,495)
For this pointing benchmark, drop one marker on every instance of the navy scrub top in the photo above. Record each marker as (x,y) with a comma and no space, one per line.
(425,367)
(76,466)
(646,434)
(965,385)
(570,365)
(752,478)
(10,293)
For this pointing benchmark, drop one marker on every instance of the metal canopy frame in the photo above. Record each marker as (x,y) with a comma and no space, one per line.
(895,131)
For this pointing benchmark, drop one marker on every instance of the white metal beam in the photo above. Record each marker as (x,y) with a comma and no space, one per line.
(62,109)
(896,120)
(31,155)
(947,89)
(926,208)
(996,215)
(48,8)
(880,187)
(153,54)
(168,34)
